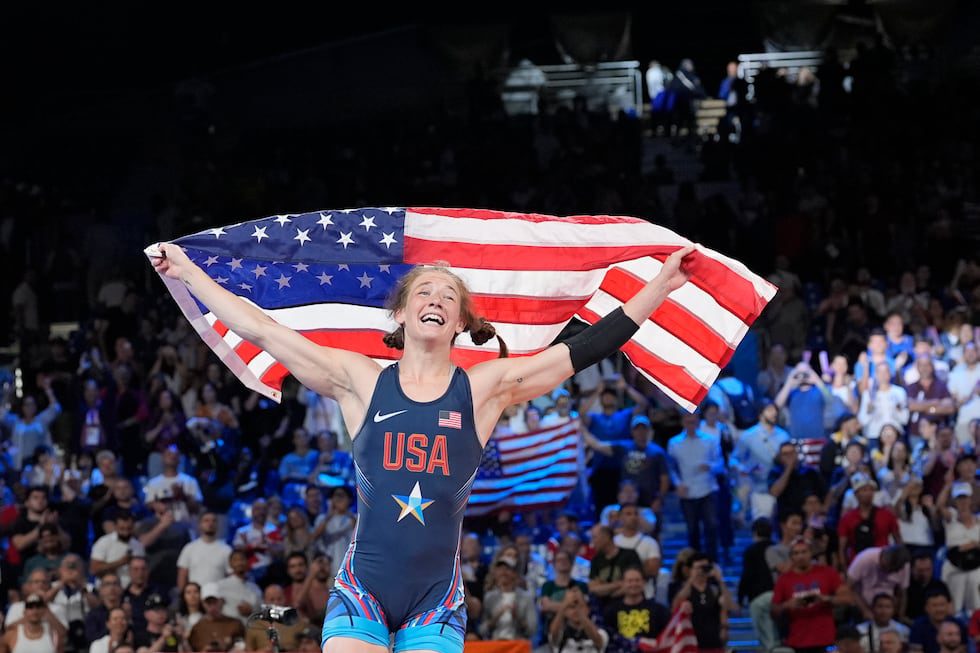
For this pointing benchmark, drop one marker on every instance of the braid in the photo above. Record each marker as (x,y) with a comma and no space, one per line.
(483,332)
(396,338)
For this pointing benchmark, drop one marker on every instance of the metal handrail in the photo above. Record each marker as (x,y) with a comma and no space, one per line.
(602,76)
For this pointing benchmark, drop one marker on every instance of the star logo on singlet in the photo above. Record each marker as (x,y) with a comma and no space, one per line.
(413,504)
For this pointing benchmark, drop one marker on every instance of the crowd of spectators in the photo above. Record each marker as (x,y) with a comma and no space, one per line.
(151,501)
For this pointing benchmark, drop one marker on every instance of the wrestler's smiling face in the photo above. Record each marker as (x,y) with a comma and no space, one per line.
(433,308)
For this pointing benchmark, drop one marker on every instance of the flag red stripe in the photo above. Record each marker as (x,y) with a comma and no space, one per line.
(220,328)
(571,478)
(490,489)
(670,375)
(526,310)
(489,214)
(672,317)
(730,290)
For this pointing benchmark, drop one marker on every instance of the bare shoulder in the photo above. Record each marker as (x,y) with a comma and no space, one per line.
(363,371)
(488,380)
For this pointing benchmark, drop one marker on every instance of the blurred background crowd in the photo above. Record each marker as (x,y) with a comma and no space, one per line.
(824,494)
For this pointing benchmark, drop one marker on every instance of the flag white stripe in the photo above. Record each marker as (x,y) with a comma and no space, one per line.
(552,233)
(511,442)
(211,338)
(565,452)
(669,347)
(535,284)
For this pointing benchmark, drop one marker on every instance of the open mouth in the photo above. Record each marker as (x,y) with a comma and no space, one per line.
(433,318)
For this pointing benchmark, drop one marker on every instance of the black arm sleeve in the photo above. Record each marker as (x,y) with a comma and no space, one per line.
(591,345)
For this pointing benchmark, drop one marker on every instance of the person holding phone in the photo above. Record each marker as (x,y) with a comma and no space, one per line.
(806,595)
(709,600)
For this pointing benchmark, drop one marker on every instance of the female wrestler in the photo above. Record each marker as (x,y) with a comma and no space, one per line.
(420,426)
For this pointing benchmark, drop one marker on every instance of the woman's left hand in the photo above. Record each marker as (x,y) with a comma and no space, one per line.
(673,274)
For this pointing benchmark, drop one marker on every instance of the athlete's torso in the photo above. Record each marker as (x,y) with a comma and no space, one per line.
(415,465)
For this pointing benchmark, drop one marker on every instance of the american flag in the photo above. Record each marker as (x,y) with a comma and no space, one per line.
(527,471)
(327,274)
(677,637)
(451,419)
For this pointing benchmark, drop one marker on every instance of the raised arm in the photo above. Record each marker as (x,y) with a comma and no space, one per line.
(594,443)
(346,376)
(505,381)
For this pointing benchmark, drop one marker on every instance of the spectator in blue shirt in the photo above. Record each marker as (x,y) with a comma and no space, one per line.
(642,462)
(895,337)
(297,465)
(695,461)
(610,424)
(925,629)
(753,458)
(803,396)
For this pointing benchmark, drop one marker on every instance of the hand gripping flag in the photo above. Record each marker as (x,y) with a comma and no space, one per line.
(327,274)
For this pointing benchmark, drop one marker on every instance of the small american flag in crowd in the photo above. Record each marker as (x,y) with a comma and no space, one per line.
(327,273)
(677,637)
(528,471)
(451,419)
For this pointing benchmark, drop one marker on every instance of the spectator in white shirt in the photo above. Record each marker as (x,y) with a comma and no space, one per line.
(883,403)
(910,372)
(965,376)
(204,560)
(120,632)
(883,609)
(178,490)
(74,595)
(259,540)
(241,596)
(113,551)
(332,531)
(645,546)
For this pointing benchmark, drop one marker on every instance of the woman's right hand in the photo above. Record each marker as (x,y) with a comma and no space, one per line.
(173,262)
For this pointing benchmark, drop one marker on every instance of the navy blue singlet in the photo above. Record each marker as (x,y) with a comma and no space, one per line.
(415,464)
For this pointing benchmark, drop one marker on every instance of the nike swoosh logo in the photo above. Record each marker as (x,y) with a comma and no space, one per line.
(378,417)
